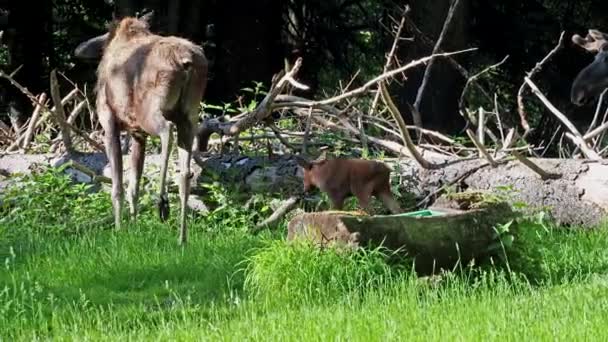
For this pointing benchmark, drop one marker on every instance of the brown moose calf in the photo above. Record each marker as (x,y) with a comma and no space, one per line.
(342,178)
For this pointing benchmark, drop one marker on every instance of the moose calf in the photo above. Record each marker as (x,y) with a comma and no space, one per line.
(342,178)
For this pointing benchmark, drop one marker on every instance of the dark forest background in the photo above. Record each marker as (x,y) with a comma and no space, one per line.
(248,41)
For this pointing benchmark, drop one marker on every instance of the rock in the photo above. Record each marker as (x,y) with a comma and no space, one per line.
(197,205)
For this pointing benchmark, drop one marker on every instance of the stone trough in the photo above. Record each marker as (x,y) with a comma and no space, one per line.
(437,238)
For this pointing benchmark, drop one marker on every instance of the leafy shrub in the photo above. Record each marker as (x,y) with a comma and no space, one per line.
(50,201)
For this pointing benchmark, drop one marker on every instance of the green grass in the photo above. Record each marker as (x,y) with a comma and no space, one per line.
(66,275)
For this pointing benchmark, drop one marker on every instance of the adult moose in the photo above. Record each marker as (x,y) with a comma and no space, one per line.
(593,79)
(146,84)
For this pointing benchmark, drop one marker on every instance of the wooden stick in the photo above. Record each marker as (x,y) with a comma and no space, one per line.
(481,124)
(544,175)
(481,148)
(578,137)
(30,129)
(69,97)
(407,140)
(59,113)
(601,128)
(76,111)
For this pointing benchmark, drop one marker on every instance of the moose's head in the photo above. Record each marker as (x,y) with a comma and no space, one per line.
(593,79)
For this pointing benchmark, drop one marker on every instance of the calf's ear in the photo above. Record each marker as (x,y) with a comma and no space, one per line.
(303,162)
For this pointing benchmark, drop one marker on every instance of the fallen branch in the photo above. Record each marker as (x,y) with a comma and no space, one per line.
(265,107)
(544,175)
(278,214)
(577,137)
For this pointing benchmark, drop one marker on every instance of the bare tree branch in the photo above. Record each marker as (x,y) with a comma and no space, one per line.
(520,101)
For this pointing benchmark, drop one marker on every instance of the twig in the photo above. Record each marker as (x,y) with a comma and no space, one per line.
(278,214)
(474,78)
(595,116)
(578,138)
(424,39)
(280,137)
(16,71)
(596,131)
(86,138)
(390,56)
(551,141)
(87,171)
(498,121)
(307,132)
(30,129)
(601,137)
(69,97)
(520,94)
(481,148)
(509,140)
(407,140)
(76,111)
(429,68)
(481,121)
(59,113)
(544,175)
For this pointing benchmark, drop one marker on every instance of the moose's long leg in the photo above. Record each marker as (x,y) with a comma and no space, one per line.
(185,136)
(138,146)
(165,145)
(113,152)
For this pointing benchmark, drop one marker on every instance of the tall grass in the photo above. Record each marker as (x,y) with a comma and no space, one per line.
(65,276)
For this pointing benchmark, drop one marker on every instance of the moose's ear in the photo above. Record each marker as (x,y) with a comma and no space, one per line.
(147,18)
(303,162)
(92,48)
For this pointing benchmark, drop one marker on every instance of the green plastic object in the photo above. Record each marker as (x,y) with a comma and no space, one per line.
(423,213)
